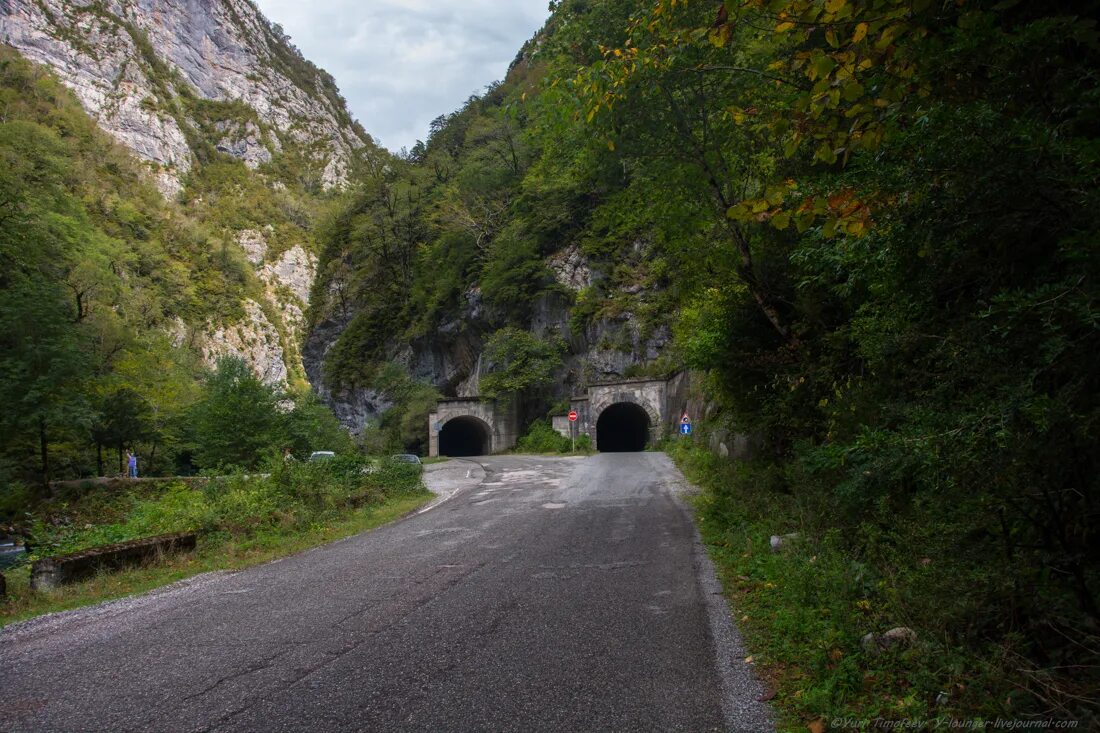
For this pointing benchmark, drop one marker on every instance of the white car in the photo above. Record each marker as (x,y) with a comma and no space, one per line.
(322,455)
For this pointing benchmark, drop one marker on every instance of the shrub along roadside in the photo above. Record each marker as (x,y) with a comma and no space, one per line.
(542,438)
(242,520)
(805,609)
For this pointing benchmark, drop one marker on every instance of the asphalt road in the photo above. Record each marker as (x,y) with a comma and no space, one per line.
(556,594)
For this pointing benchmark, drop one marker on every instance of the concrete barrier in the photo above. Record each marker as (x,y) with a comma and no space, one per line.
(51,572)
(119,483)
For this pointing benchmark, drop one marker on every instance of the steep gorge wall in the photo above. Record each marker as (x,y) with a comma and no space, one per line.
(182,82)
(136,65)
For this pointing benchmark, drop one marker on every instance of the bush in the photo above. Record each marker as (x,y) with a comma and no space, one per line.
(804,610)
(542,438)
(237,420)
(295,495)
(519,362)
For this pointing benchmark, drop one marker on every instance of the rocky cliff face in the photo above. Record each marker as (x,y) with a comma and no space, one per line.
(182,83)
(143,68)
(451,356)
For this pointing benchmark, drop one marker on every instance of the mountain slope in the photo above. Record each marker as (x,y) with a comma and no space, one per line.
(147,71)
(233,124)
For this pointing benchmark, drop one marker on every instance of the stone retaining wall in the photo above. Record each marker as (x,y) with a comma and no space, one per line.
(54,571)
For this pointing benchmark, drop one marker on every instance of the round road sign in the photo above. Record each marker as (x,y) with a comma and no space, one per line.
(572,416)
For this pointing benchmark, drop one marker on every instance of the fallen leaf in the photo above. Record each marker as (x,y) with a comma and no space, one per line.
(817,726)
(748,659)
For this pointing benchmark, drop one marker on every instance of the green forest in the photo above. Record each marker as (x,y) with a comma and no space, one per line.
(871,227)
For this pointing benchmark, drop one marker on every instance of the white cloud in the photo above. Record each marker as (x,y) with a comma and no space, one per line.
(402,63)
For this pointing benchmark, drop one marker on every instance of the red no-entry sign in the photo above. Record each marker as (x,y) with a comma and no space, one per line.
(572,416)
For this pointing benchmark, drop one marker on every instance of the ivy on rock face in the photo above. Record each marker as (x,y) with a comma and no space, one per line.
(518,363)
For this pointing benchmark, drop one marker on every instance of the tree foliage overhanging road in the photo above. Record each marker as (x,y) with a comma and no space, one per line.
(901,209)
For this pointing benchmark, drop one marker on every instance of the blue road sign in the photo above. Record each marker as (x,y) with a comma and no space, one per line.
(685,428)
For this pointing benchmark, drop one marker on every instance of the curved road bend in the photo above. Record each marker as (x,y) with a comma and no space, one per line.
(558,594)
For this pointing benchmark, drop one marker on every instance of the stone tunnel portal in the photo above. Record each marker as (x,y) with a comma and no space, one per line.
(622,428)
(464,436)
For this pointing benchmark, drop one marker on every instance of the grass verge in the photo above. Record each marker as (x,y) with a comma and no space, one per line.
(217,551)
(805,609)
(241,520)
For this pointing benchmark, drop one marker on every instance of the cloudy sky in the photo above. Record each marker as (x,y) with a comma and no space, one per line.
(402,63)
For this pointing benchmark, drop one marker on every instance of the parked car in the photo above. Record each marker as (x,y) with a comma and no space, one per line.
(322,455)
(405,458)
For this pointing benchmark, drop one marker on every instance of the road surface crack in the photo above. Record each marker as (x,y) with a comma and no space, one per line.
(250,669)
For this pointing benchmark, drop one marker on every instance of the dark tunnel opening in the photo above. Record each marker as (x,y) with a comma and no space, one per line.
(464,436)
(622,428)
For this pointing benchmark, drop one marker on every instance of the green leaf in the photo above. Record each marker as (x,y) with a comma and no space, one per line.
(739,212)
(852,91)
(822,66)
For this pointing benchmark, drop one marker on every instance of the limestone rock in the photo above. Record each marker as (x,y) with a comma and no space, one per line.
(254,339)
(114,89)
(254,244)
(570,268)
(288,281)
(294,270)
(129,62)
(780,542)
(245,143)
(177,332)
(895,638)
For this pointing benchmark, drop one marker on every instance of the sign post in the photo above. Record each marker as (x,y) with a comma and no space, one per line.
(685,425)
(573,428)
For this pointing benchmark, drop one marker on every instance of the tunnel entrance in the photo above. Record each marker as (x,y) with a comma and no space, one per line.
(622,428)
(464,436)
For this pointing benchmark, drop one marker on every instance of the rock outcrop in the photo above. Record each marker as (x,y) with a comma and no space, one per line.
(254,339)
(570,268)
(288,280)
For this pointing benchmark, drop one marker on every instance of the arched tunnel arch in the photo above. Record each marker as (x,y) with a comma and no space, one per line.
(465,436)
(622,428)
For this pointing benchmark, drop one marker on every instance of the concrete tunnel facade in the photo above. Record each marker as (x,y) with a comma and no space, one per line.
(624,415)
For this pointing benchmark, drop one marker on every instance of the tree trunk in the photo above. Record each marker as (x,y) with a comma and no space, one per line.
(148,470)
(99,458)
(44,447)
(746,269)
